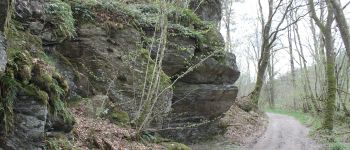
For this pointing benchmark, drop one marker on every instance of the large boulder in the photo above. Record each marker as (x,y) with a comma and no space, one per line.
(178,54)
(204,100)
(212,71)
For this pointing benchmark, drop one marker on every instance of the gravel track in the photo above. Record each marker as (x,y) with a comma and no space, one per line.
(284,133)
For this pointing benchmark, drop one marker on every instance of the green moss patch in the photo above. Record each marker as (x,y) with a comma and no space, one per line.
(29,70)
(60,15)
(118,116)
(176,146)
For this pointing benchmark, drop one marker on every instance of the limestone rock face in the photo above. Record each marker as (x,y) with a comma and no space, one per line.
(109,63)
(109,57)
(29,107)
(25,9)
(3,55)
(3,14)
(204,100)
(180,50)
(202,96)
(29,122)
(214,72)
(208,10)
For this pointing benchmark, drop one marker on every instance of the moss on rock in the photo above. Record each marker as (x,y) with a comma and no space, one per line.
(28,70)
(176,146)
(118,116)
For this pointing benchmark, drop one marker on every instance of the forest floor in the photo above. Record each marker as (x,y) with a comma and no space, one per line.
(243,128)
(284,132)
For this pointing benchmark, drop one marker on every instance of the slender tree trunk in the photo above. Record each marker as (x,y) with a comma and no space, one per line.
(347,112)
(268,38)
(227,21)
(306,105)
(306,71)
(292,68)
(271,83)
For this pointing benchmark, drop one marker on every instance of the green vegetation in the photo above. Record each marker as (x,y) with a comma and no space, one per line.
(9,89)
(29,70)
(60,142)
(176,146)
(119,117)
(338,146)
(61,16)
(302,117)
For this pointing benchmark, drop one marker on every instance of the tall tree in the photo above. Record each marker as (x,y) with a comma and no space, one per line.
(292,67)
(271,82)
(227,14)
(269,36)
(326,30)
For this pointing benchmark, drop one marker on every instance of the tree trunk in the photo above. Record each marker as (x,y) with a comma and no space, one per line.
(292,68)
(271,83)
(331,81)
(342,24)
(330,68)
(326,30)
(306,72)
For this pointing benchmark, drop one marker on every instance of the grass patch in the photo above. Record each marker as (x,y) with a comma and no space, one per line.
(304,118)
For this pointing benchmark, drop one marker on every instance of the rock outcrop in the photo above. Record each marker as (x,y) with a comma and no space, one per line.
(29,122)
(32,101)
(208,10)
(3,54)
(202,96)
(112,64)
(63,51)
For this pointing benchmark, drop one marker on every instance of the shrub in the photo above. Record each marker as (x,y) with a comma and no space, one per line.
(337,146)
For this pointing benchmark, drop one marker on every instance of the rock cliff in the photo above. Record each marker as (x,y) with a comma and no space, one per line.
(57,52)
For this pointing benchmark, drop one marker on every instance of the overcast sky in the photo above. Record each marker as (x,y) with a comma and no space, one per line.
(245,22)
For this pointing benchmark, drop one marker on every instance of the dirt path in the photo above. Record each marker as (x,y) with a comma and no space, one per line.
(284,133)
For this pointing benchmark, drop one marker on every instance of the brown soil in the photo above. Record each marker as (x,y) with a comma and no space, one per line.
(98,133)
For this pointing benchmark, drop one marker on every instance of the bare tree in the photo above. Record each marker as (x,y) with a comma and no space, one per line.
(271,81)
(227,13)
(269,36)
(292,67)
(342,24)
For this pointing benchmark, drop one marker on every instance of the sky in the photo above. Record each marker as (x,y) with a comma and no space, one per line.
(245,23)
